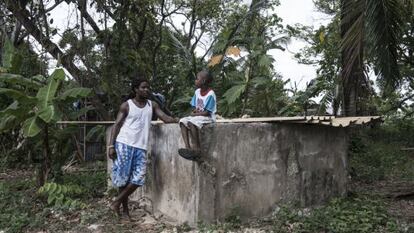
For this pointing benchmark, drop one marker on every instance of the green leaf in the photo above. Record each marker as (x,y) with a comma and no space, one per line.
(50,199)
(58,190)
(46,94)
(10,109)
(20,80)
(64,189)
(17,95)
(81,112)
(48,114)
(53,187)
(75,93)
(7,123)
(67,203)
(8,53)
(265,61)
(97,133)
(41,190)
(30,127)
(13,115)
(232,94)
(259,81)
(38,78)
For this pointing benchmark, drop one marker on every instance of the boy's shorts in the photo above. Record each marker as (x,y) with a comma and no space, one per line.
(198,121)
(130,165)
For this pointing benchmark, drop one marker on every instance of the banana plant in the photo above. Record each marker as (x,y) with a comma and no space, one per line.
(36,106)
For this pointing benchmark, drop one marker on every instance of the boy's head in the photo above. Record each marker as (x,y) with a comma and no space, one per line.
(203,79)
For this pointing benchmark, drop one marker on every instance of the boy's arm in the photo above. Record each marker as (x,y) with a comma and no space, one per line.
(120,118)
(164,117)
(208,109)
(203,113)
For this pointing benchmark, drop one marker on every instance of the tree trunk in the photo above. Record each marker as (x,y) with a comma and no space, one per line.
(352,75)
(44,170)
(23,16)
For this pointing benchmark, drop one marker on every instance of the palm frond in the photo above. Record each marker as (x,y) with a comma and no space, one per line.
(352,23)
(384,26)
(184,53)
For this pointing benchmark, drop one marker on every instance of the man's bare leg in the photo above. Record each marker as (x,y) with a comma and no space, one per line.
(123,198)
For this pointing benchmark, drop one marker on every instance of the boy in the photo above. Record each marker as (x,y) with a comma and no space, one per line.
(204,109)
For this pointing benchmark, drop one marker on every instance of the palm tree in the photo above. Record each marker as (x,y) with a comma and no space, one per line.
(369,27)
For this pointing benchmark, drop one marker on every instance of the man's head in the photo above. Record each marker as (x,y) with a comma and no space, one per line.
(141,87)
(203,79)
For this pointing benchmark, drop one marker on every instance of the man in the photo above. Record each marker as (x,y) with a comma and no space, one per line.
(129,142)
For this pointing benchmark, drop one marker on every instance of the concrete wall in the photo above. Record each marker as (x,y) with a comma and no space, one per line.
(248,169)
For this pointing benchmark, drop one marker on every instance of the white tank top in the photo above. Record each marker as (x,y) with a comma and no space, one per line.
(135,130)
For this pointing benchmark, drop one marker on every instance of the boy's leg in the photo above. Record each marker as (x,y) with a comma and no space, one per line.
(195,136)
(184,132)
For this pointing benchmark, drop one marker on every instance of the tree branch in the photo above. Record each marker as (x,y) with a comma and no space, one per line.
(86,15)
(23,16)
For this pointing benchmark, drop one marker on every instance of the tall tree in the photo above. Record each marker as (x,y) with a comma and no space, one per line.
(374,27)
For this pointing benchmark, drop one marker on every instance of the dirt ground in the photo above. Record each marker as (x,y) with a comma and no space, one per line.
(98,218)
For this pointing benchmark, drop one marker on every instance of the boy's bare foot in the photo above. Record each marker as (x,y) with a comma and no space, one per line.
(189,154)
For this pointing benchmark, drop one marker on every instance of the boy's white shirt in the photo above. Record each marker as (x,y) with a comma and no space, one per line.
(198,96)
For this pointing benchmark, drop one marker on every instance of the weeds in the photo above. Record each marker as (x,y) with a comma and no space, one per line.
(18,206)
(347,215)
(375,154)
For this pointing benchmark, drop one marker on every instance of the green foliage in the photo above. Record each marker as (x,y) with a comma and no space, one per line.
(17,206)
(93,183)
(35,111)
(61,195)
(7,56)
(248,84)
(24,208)
(375,154)
(350,215)
(231,223)
(36,104)
(41,109)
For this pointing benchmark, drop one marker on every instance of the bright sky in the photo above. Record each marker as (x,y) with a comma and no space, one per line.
(293,12)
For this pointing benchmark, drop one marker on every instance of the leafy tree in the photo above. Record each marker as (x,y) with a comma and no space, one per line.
(367,39)
(37,104)
(248,83)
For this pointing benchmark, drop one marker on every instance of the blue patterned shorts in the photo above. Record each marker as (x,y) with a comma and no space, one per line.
(130,165)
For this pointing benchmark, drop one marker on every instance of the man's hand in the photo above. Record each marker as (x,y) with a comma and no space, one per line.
(112,153)
(176,119)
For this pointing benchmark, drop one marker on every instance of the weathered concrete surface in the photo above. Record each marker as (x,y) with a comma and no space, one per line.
(248,169)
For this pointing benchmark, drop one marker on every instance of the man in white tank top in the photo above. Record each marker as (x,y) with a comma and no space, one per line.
(129,142)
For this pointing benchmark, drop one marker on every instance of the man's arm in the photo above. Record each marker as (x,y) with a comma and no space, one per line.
(164,117)
(120,118)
